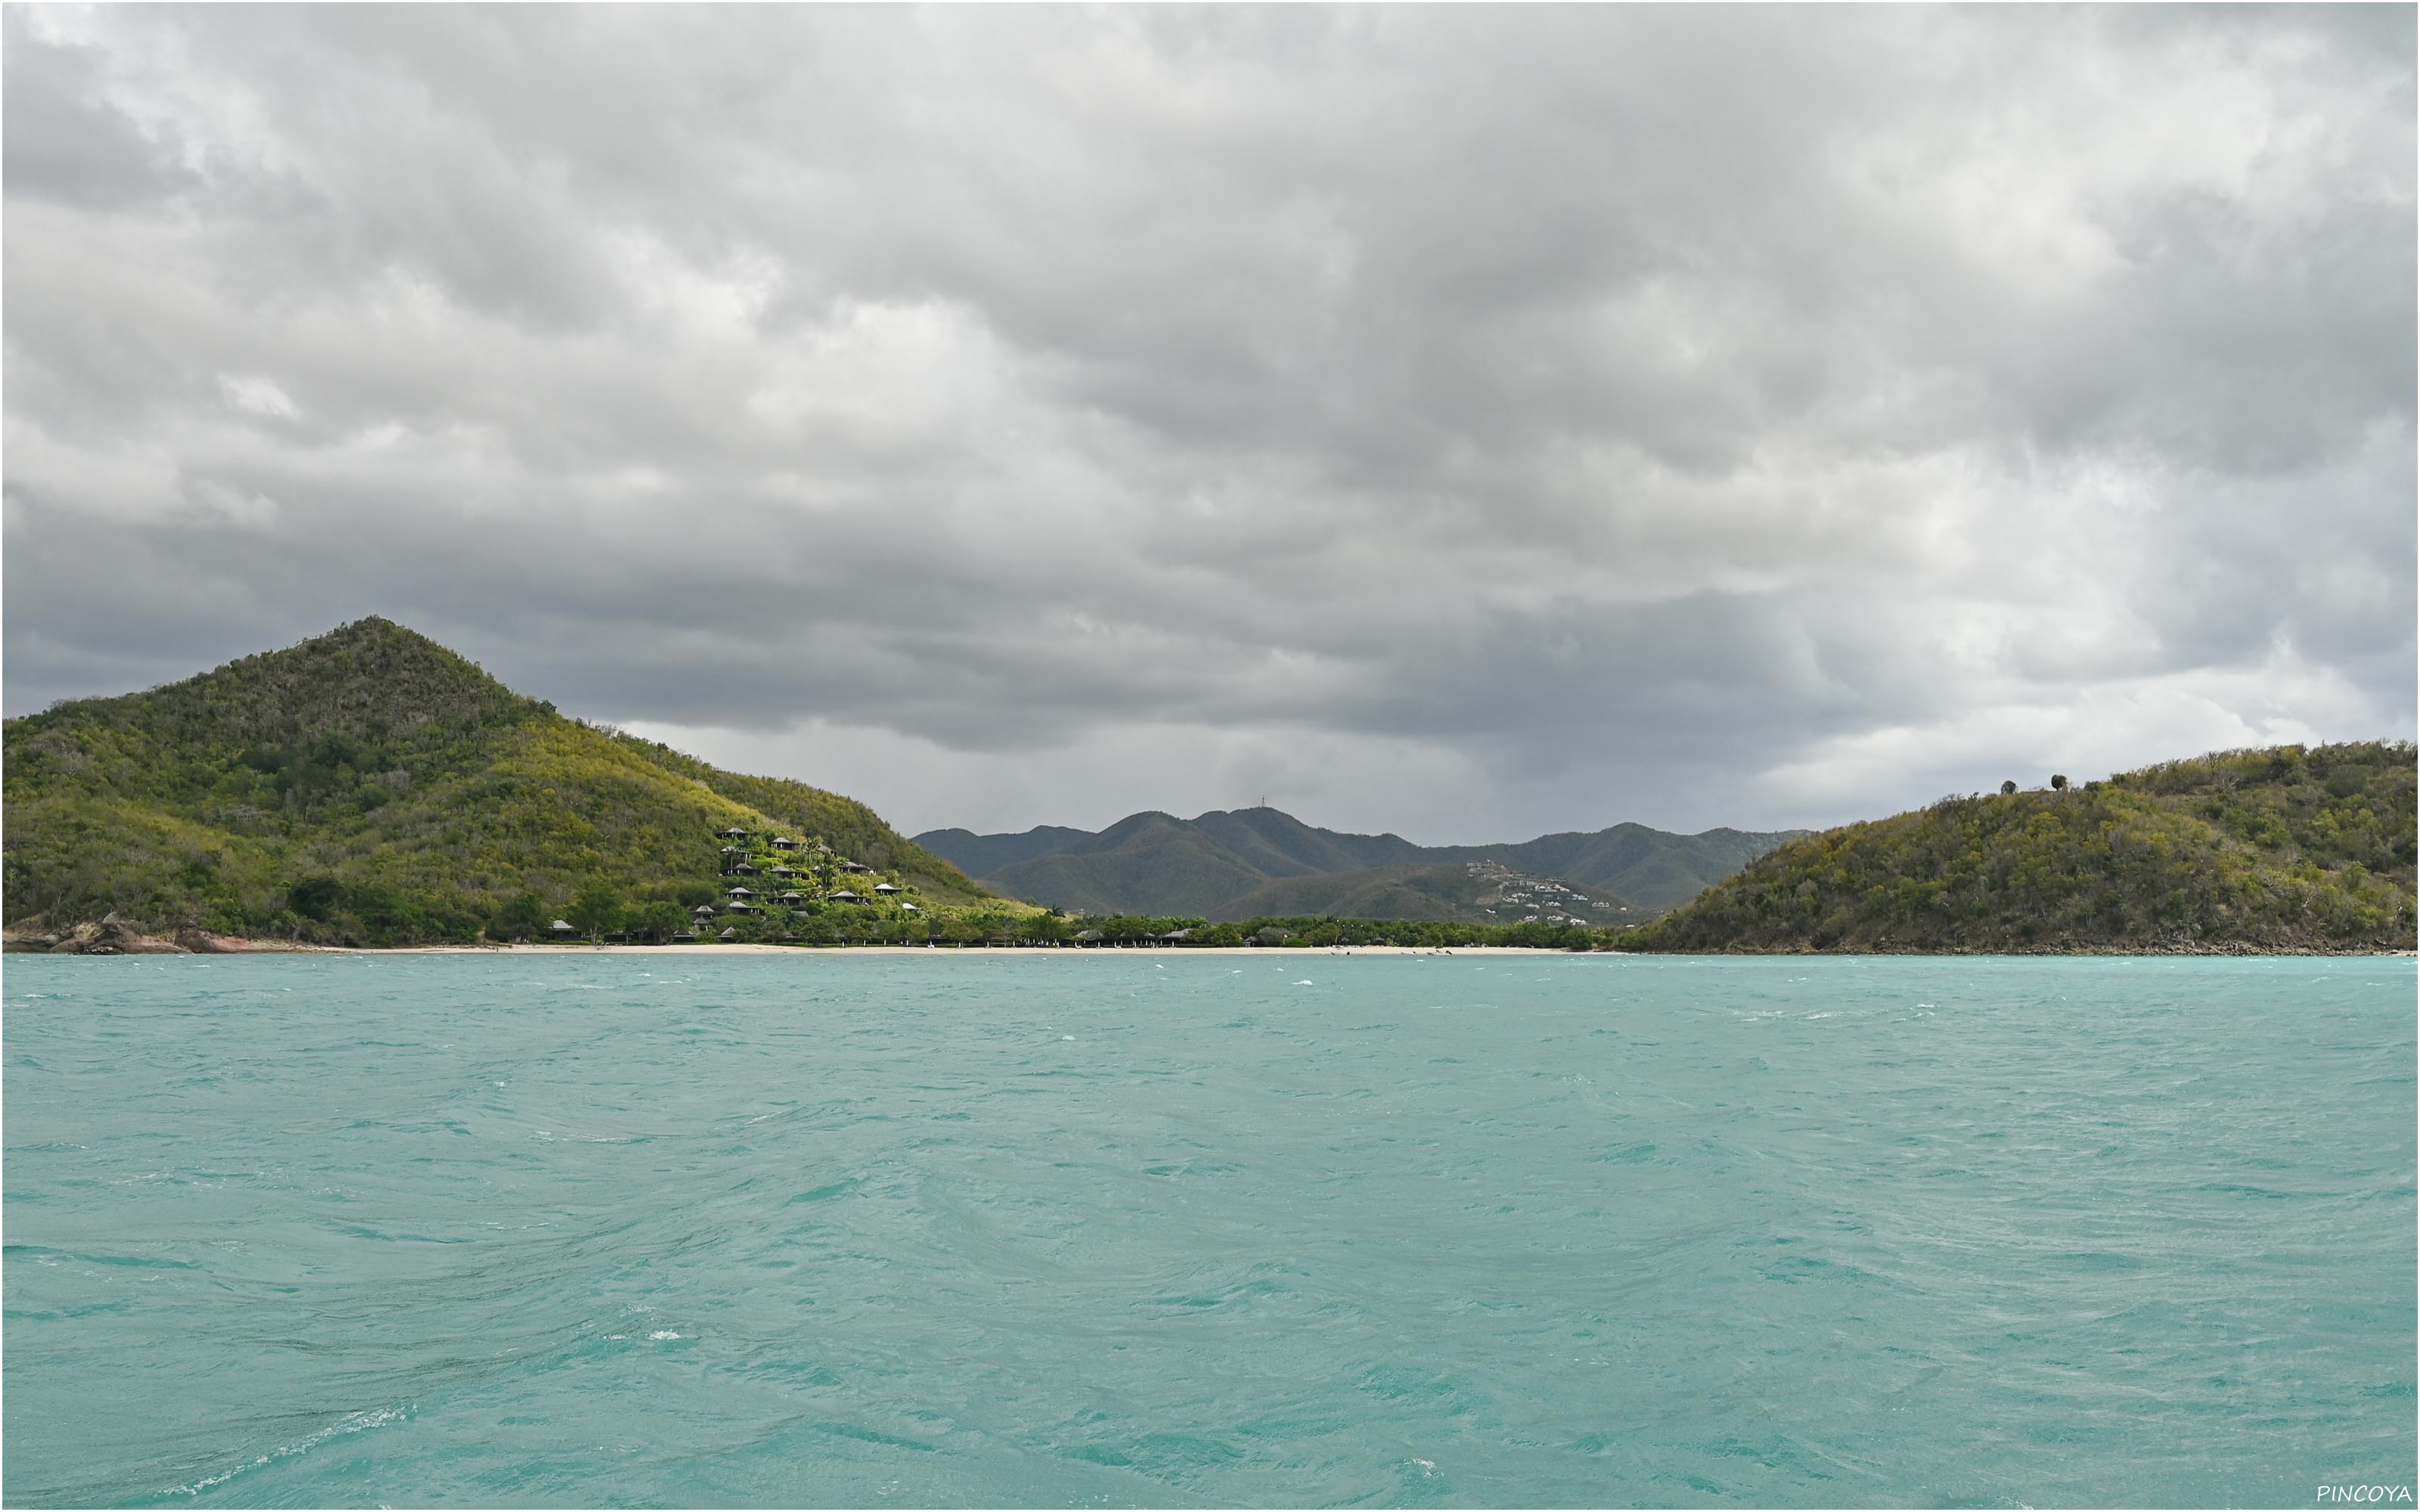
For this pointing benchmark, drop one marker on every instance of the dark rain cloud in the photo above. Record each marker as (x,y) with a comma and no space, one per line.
(1459,422)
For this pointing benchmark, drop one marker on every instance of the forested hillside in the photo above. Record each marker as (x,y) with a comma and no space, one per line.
(2281,849)
(371,785)
(1230,864)
(980,855)
(1469,892)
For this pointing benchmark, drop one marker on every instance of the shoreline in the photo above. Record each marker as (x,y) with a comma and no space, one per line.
(232,946)
(750,948)
(737,948)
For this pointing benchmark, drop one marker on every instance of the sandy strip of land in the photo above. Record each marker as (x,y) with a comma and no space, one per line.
(1105,952)
(131,944)
(1163,952)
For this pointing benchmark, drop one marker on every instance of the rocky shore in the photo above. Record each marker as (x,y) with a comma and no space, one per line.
(113,936)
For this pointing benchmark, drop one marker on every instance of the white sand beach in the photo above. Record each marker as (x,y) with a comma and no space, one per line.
(1002,952)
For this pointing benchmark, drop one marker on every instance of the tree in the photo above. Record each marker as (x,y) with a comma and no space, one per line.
(519,918)
(2059,782)
(2007,787)
(315,898)
(595,909)
(658,920)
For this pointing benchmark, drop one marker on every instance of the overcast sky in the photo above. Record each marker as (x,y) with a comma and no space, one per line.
(1467,423)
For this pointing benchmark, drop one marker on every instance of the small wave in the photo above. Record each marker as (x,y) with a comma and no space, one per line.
(355,1423)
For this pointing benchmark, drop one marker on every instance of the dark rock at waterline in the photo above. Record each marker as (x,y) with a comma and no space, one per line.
(112,935)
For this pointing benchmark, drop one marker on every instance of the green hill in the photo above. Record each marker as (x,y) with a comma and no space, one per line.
(1462,892)
(1258,862)
(980,855)
(2259,850)
(1228,865)
(1147,863)
(1650,869)
(371,785)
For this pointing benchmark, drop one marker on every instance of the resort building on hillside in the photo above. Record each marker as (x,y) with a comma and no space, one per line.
(737,857)
(562,929)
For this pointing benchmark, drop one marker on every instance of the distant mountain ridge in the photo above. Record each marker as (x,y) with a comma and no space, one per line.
(1243,863)
(972,853)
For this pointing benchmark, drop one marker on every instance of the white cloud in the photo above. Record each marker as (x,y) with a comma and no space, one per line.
(256,397)
(1466,422)
(219,501)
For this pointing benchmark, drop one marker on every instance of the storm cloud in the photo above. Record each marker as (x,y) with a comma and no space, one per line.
(1467,423)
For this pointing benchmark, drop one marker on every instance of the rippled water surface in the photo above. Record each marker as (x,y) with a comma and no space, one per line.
(1018,1229)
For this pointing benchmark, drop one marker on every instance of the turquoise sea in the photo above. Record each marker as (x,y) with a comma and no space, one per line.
(1019,1229)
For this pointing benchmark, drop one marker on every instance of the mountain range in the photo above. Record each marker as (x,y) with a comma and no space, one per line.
(371,787)
(1246,863)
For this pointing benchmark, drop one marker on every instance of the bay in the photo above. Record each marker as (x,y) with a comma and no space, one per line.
(1009,1229)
